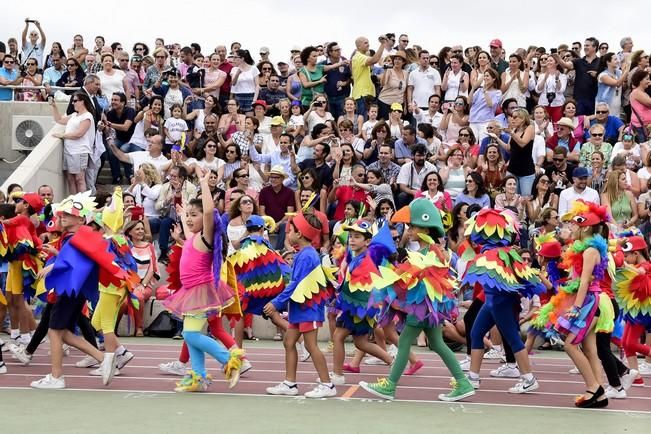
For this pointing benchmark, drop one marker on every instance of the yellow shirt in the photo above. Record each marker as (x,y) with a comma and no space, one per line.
(362,84)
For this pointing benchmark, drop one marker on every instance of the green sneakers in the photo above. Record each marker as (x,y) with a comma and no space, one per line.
(384,388)
(460,390)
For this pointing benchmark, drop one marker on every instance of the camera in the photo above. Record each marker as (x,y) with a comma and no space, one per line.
(23,70)
(551,96)
(318,104)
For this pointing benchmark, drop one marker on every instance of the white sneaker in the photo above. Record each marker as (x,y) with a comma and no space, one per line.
(493,354)
(612,393)
(322,391)
(392,350)
(173,368)
(465,364)
(644,368)
(525,386)
(3,368)
(121,360)
(628,378)
(87,362)
(108,368)
(245,367)
(303,354)
(49,382)
(283,389)
(337,380)
(20,353)
(506,371)
(98,372)
(278,337)
(574,370)
(475,382)
(24,341)
(374,361)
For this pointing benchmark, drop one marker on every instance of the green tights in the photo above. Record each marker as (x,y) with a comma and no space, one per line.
(436,344)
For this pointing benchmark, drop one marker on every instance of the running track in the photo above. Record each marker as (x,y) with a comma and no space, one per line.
(557,387)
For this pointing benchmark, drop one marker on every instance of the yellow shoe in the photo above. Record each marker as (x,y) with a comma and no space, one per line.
(193,383)
(232,367)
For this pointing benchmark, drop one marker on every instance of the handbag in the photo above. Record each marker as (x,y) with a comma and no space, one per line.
(640,132)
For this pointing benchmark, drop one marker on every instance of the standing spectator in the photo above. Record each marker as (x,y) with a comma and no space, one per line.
(492,169)
(226,67)
(30,77)
(411,175)
(231,121)
(497,61)
(384,163)
(569,111)
(313,75)
(78,51)
(585,82)
(560,172)
(484,102)
(640,105)
(33,49)
(455,81)
(155,71)
(293,87)
(112,80)
(578,190)
(78,140)
(393,82)
(610,81)
(551,87)
(337,86)
(563,138)
(272,94)
(455,117)
(55,49)
(424,82)
(245,84)
(8,76)
(454,173)
(276,201)
(214,77)
(361,64)
(172,92)
(619,200)
(515,80)
(120,118)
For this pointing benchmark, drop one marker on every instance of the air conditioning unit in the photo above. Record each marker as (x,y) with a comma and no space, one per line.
(28,131)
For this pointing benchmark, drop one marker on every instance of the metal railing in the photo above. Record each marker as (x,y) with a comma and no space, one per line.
(47,89)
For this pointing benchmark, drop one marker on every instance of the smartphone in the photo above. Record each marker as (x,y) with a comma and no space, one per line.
(553,50)
(137,213)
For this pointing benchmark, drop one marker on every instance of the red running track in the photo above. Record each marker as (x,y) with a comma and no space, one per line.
(557,386)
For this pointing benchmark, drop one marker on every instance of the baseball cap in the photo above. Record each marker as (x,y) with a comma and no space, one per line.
(496,43)
(264,50)
(580,172)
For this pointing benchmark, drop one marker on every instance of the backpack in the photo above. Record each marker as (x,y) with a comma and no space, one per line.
(163,326)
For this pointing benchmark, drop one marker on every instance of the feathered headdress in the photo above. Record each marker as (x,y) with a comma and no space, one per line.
(113,214)
(585,214)
(490,227)
(548,246)
(80,205)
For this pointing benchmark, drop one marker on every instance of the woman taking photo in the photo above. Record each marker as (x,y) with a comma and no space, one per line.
(245,84)
(317,113)
(30,77)
(520,146)
(484,102)
(151,117)
(455,117)
(474,193)
(73,76)
(344,164)
(211,106)
(78,139)
(515,80)
(551,87)
(393,82)
(619,201)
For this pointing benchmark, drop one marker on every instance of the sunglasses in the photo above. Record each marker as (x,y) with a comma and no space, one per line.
(211,146)
(544,181)
(231,151)
(560,160)
(464,135)
(71,64)
(160,57)
(76,100)
(596,134)
(31,64)
(469,181)
(139,49)
(246,202)
(266,69)
(396,238)
(456,51)
(601,112)
(243,175)
(9,62)
(526,258)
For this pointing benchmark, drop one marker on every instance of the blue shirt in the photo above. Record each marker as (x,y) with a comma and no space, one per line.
(404,151)
(486,141)
(51,75)
(342,73)
(484,201)
(612,126)
(5,94)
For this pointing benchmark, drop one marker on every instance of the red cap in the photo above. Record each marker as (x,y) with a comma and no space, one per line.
(306,229)
(634,244)
(35,201)
(550,249)
(259,102)
(496,43)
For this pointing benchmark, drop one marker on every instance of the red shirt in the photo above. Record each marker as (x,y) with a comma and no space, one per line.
(226,87)
(276,204)
(344,193)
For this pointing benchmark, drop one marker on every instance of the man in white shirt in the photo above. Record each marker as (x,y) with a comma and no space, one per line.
(33,49)
(578,190)
(423,82)
(153,156)
(412,174)
(431,115)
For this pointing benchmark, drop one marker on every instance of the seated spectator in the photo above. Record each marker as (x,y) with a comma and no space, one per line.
(509,105)
(148,122)
(350,211)
(322,134)
(272,94)
(320,243)
(432,116)
(271,142)
(469,146)
(376,186)
(380,136)
(612,125)
(344,163)
(308,179)
(630,150)
(53,73)
(455,171)
(239,181)
(218,194)
(456,234)
(433,143)
(474,193)
(9,76)
(563,137)
(492,168)
(644,210)
(145,187)
(343,193)
(177,191)
(276,200)
(384,210)
(597,171)
(404,146)
(385,165)
(578,190)
(632,180)
(259,113)
(210,132)
(247,138)
(200,114)
(644,174)
(232,120)
(578,122)
(432,189)
(595,142)
(541,122)
(455,116)
(510,198)
(30,77)
(620,202)
(350,114)
(543,197)
(239,212)
(73,76)
(411,176)
(395,121)
(121,119)
(154,155)
(347,136)
(207,160)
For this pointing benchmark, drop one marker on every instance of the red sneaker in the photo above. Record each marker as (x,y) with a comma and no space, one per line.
(639,381)
(414,368)
(352,369)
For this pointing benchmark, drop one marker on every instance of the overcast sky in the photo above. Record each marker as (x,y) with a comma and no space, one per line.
(279,24)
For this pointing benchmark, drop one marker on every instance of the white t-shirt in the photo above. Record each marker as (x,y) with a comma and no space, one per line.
(138,137)
(174,129)
(296,121)
(35,53)
(570,195)
(367,127)
(423,82)
(141,157)
(83,145)
(173,96)
(424,117)
(246,80)
(146,197)
(314,119)
(111,83)
(539,149)
(215,164)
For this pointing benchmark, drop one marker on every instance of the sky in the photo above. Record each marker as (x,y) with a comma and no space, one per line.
(280,24)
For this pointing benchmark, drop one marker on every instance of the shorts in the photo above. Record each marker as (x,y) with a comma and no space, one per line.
(75,164)
(66,312)
(15,278)
(304,327)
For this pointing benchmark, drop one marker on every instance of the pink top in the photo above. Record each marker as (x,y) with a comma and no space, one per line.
(642,111)
(578,131)
(196,266)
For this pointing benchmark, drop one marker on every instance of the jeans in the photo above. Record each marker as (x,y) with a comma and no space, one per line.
(525,183)
(280,240)
(363,104)
(114,163)
(336,106)
(162,226)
